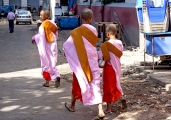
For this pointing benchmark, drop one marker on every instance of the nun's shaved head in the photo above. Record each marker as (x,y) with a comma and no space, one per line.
(112,29)
(86,14)
(46,13)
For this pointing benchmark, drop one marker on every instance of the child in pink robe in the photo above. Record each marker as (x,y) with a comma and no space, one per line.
(112,90)
(47,47)
(90,91)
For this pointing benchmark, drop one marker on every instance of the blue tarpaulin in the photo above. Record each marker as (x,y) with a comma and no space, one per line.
(69,22)
(6,8)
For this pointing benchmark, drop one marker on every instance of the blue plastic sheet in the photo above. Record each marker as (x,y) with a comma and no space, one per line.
(156,14)
(140,14)
(6,8)
(69,22)
(161,45)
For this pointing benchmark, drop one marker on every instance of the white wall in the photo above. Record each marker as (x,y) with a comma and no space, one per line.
(41,2)
(64,8)
(6,2)
(52,9)
(58,1)
(23,3)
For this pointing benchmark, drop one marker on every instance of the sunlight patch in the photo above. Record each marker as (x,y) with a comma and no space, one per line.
(56,91)
(68,97)
(30,81)
(37,107)
(9,108)
(47,108)
(132,116)
(7,101)
(169,118)
(37,94)
(22,108)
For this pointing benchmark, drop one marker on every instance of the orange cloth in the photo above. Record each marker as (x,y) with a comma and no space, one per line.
(80,48)
(76,90)
(49,28)
(107,47)
(110,91)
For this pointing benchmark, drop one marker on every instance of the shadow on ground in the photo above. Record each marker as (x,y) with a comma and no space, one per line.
(24,98)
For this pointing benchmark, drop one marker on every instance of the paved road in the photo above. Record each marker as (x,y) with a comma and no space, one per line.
(17,53)
(22,96)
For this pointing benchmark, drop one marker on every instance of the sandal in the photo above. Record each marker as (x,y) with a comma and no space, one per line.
(57,82)
(108,112)
(124,105)
(68,108)
(99,118)
(45,85)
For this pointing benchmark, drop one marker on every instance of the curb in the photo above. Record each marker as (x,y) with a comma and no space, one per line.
(148,74)
(156,80)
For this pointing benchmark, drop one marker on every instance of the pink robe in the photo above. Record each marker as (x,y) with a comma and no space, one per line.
(115,62)
(48,52)
(90,91)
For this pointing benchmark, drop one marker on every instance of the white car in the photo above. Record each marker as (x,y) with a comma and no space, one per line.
(17,10)
(23,16)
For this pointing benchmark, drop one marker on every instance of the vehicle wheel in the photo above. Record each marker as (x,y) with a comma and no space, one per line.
(16,23)
(30,23)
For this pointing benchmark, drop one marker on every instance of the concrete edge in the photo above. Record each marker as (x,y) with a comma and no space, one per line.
(156,80)
(148,74)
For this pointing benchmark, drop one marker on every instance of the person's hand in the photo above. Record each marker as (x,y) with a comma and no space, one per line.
(33,42)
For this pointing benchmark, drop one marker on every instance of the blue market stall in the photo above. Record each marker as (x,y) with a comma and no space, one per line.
(157,44)
(6,8)
(68,21)
(154,18)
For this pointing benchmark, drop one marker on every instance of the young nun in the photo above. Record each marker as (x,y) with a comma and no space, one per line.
(46,41)
(111,52)
(81,54)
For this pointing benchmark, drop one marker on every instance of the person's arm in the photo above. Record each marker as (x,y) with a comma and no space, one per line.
(33,40)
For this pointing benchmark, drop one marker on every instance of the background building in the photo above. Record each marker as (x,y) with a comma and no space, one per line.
(125,10)
(23,3)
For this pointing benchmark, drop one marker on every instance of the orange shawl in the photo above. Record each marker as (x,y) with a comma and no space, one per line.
(80,48)
(49,28)
(107,47)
